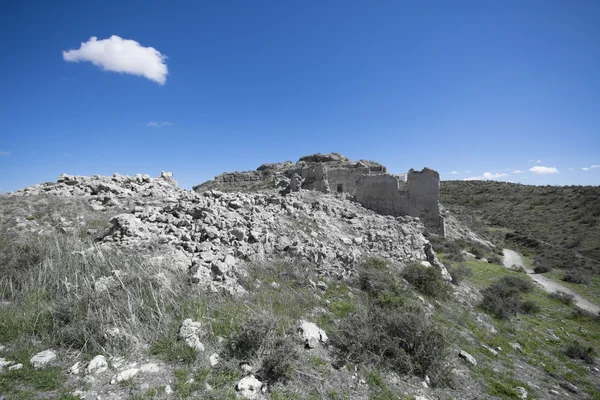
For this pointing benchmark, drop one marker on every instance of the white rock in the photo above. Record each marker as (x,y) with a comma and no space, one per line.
(249,388)
(4,362)
(98,365)
(311,334)
(150,368)
(470,359)
(521,392)
(124,375)
(189,333)
(213,359)
(42,359)
(168,390)
(75,369)
(15,367)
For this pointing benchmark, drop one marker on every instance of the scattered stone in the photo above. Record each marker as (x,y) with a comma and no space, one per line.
(492,351)
(126,375)
(42,359)
(311,334)
(569,387)
(168,390)
(554,392)
(4,362)
(521,392)
(469,358)
(15,367)
(516,346)
(75,368)
(150,368)
(249,388)
(97,366)
(213,359)
(189,332)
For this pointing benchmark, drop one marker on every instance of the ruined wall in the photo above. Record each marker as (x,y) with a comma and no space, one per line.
(343,179)
(379,193)
(390,195)
(423,195)
(315,177)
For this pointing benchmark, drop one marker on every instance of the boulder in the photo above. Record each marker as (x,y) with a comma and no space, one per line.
(249,388)
(42,359)
(311,334)
(97,366)
(189,332)
(467,357)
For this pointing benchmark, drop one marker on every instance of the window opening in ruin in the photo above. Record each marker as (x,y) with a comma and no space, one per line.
(340,188)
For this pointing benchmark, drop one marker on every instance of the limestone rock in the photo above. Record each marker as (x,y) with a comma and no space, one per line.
(189,332)
(469,358)
(125,375)
(42,359)
(521,392)
(214,359)
(15,367)
(249,388)
(311,334)
(97,365)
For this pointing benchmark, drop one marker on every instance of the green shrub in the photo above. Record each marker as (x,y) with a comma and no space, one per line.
(530,307)
(540,269)
(500,301)
(517,283)
(495,259)
(578,351)
(404,340)
(450,248)
(575,276)
(252,338)
(426,280)
(278,363)
(563,297)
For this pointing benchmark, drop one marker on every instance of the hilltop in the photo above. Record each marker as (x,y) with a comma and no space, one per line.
(130,287)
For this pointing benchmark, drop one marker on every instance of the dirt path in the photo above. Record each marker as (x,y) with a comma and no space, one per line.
(513,258)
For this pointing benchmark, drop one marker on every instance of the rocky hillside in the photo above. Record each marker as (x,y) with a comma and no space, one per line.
(129,287)
(559,224)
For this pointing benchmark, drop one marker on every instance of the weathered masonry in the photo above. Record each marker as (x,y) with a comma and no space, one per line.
(415,193)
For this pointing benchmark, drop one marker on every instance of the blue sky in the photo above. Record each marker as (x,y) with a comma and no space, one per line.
(479,86)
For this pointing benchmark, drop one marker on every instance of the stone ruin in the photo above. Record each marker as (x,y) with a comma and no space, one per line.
(415,193)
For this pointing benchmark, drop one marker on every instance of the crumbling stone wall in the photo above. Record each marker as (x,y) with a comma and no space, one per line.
(414,194)
(418,196)
(343,180)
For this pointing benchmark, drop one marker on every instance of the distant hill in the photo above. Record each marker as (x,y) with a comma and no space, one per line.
(560,224)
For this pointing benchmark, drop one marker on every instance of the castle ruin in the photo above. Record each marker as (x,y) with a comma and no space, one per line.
(415,193)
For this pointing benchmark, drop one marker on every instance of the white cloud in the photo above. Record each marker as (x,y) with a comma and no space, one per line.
(571,169)
(474,178)
(517,171)
(535,161)
(543,170)
(595,166)
(121,55)
(489,175)
(156,124)
(5,153)
(454,172)
(585,169)
(539,161)
(466,172)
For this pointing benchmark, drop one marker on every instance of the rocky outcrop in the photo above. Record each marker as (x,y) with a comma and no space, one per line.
(106,189)
(213,235)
